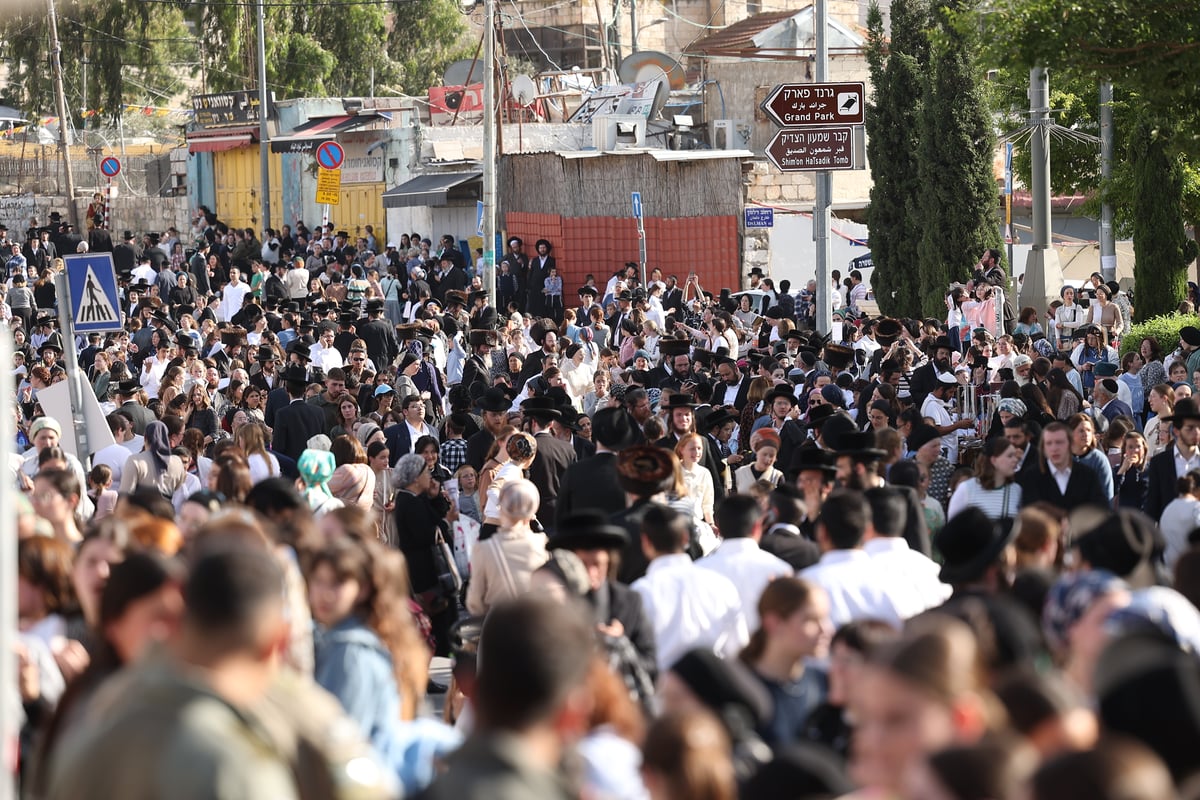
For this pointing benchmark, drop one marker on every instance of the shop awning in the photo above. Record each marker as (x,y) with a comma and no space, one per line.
(427,190)
(215,140)
(304,138)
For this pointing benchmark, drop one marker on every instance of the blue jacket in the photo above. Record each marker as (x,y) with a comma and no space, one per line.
(353,665)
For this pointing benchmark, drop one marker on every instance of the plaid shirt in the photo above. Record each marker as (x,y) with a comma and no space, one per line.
(453,454)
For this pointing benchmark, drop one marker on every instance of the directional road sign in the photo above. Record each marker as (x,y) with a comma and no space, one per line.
(792,105)
(637,204)
(111,167)
(812,149)
(330,155)
(92,278)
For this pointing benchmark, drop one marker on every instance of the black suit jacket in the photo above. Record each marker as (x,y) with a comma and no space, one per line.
(277,398)
(583,448)
(546,472)
(923,381)
(790,546)
(295,424)
(1161,473)
(382,344)
(478,445)
(260,380)
(591,483)
(617,601)
(1083,487)
(739,401)
(416,532)
(475,371)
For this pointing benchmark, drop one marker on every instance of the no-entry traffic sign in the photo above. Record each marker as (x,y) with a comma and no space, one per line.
(798,105)
(330,155)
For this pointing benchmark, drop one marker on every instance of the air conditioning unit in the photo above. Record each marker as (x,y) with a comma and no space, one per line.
(618,132)
(728,134)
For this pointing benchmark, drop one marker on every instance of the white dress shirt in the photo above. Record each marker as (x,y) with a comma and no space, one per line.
(909,578)
(854,586)
(114,457)
(1185,465)
(1061,477)
(730,393)
(232,296)
(689,608)
(749,568)
(936,410)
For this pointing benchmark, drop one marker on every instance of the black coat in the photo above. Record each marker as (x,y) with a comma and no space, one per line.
(1163,482)
(617,601)
(475,371)
(416,532)
(591,483)
(1083,487)
(477,448)
(583,448)
(790,546)
(382,344)
(277,398)
(633,560)
(125,257)
(295,424)
(546,472)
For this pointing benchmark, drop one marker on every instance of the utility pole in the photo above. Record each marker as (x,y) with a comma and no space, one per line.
(489,150)
(633,26)
(824,187)
(60,99)
(1043,272)
(1108,247)
(264,146)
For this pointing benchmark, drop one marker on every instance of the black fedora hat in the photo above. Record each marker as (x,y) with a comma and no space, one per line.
(819,415)
(808,459)
(478,294)
(680,400)
(645,470)
(299,348)
(588,529)
(495,400)
(295,372)
(614,428)
(455,297)
(541,408)
(128,386)
(778,391)
(588,290)
(714,419)
(859,444)
(375,305)
(1187,408)
(674,347)
(265,353)
(481,338)
(970,543)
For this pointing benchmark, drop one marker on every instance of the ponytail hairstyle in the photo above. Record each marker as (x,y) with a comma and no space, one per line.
(1189,484)
(782,598)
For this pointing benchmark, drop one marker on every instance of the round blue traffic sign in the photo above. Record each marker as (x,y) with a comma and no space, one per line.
(330,155)
(111,167)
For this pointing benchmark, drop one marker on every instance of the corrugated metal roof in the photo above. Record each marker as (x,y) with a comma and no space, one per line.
(739,35)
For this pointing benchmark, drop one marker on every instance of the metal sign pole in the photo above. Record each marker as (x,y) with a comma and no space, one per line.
(9,703)
(66,324)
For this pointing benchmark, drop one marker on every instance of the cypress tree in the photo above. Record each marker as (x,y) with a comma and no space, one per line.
(893,130)
(958,195)
(1161,250)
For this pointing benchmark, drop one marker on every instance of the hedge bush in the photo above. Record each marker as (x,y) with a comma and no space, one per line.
(1165,329)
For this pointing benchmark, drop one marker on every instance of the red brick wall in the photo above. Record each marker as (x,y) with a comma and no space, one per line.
(600,245)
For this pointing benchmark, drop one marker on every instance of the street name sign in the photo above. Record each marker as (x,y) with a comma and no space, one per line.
(813,149)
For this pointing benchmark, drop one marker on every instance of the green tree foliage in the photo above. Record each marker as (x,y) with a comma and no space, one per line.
(1161,250)
(426,36)
(1152,50)
(893,130)
(135,53)
(958,193)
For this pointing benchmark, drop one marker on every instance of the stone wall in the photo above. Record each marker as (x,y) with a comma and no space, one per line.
(139,214)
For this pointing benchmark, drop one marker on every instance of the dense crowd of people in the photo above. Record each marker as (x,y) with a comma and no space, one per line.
(678,545)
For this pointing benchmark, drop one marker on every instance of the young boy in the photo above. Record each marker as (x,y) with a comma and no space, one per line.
(765,444)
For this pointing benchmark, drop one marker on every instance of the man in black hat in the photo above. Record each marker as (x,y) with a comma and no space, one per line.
(483,316)
(615,322)
(494,405)
(553,456)
(518,264)
(382,345)
(266,378)
(126,393)
(197,265)
(734,386)
(779,403)
(298,421)
(452,277)
(546,338)
(477,369)
(592,482)
(681,420)
(1182,457)
(676,366)
(539,269)
(297,354)
(618,609)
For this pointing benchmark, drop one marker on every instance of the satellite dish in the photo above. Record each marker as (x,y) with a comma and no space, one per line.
(458,72)
(648,65)
(523,90)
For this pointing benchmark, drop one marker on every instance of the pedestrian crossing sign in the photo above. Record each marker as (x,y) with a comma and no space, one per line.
(95,303)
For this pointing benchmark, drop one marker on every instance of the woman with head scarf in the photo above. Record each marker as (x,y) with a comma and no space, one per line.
(316,467)
(155,466)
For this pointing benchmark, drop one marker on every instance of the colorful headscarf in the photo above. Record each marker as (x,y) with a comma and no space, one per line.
(1070,598)
(1013,406)
(316,468)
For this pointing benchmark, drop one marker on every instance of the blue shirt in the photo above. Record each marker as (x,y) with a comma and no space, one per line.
(353,665)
